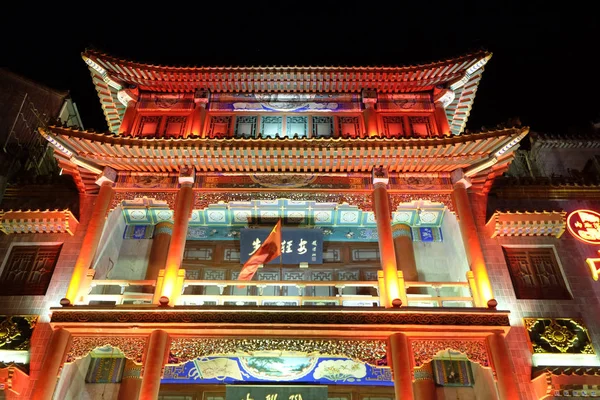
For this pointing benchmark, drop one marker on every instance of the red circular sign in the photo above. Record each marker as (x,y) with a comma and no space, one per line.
(585,225)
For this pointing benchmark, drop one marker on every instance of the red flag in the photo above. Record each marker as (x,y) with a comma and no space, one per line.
(268,251)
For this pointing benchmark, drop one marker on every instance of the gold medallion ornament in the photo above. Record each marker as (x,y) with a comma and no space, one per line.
(559,337)
(8,332)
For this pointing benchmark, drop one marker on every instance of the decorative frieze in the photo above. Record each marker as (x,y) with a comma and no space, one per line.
(369,351)
(240,316)
(38,221)
(131,347)
(544,223)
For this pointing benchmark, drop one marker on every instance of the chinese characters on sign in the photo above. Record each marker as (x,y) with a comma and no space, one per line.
(267,392)
(585,225)
(297,245)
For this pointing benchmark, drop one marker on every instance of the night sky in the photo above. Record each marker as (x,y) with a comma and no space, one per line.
(543,68)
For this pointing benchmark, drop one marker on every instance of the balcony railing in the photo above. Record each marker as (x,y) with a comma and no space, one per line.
(269,293)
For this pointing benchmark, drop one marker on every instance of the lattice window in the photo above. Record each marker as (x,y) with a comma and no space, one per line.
(348,275)
(296,126)
(332,256)
(149,125)
(198,254)
(271,126)
(535,273)
(175,126)
(421,126)
(393,126)
(245,126)
(370,275)
(231,255)
(322,126)
(365,254)
(219,126)
(28,270)
(349,127)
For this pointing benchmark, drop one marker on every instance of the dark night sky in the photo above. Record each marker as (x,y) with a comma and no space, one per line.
(543,69)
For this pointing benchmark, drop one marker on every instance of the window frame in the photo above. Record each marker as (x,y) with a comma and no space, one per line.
(539,293)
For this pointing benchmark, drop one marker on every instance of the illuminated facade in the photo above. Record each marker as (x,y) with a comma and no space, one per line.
(416,264)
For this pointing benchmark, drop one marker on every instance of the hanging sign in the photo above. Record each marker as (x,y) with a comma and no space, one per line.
(297,245)
(272,392)
(585,226)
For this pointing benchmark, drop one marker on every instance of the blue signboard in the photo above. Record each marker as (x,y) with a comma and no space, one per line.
(269,370)
(297,245)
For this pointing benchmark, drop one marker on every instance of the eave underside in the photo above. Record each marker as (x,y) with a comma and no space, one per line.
(283,155)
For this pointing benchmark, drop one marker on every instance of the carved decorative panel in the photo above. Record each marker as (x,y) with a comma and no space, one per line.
(475,350)
(535,273)
(558,335)
(149,125)
(28,270)
(219,126)
(131,347)
(175,126)
(369,351)
(393,126)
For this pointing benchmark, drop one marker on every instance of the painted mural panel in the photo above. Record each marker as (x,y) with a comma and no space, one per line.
(322,370)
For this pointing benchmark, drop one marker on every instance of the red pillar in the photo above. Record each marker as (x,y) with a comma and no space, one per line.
(370,120)
(442,119)
(53,360)
(468,230)
(128,118)
(401,366)
(159,250)
(183,210)
(383,217)
(424,386)
(131,382)
(92,236)
(507,384)
(154,362)
(405,254)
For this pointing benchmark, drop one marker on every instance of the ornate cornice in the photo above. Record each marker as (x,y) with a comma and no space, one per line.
(244,316)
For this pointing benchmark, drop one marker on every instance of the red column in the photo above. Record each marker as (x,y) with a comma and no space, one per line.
(370,119)
(507,384)
(154,362)
(131,382)
(159,250)
(182,213)
(53,360)
(401,366)
(128,118)
(442,119)
(424,386)
(92,237)
(468,230)
(198,119)
(383,217)
(405,254)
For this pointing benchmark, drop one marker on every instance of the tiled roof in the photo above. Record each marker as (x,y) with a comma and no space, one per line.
(462,74)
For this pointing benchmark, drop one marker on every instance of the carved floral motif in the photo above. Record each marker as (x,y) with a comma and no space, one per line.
(425,350)
(131,347)
(168,197)
(369,351)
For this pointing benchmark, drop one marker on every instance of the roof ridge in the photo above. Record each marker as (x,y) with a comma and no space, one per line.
(101,54)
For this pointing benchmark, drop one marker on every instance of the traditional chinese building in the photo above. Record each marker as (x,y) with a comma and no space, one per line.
(419,260)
